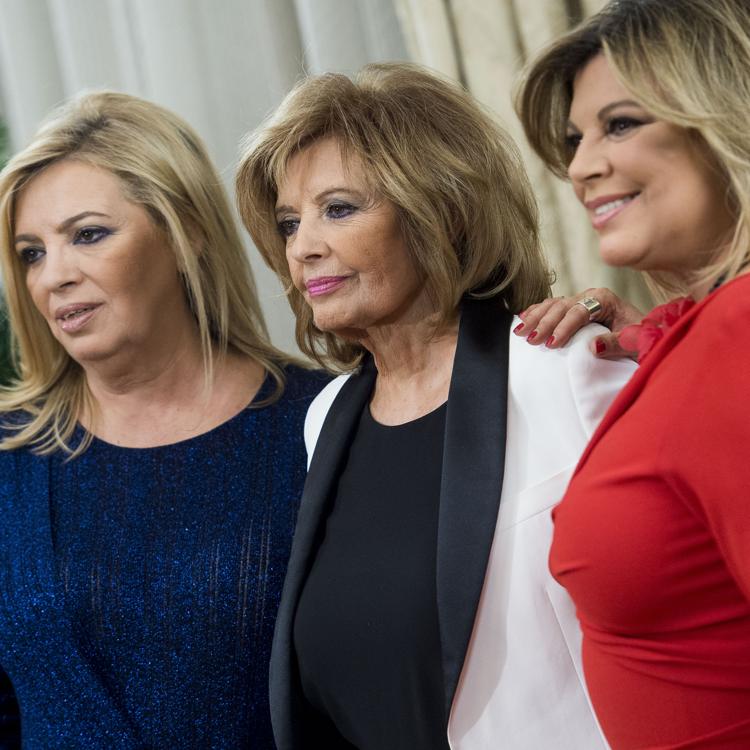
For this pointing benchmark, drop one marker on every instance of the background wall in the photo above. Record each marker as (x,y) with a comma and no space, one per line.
(225,64)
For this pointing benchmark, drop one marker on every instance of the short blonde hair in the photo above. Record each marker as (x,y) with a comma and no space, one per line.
(687,62)
(164,167)
(454,176)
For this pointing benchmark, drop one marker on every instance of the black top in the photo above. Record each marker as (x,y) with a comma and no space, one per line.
(366,630)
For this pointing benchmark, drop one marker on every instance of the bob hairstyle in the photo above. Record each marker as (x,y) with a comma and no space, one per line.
(688,63)
(164,167)
(455,177)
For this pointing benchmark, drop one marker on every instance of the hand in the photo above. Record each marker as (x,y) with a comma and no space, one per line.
(553,321)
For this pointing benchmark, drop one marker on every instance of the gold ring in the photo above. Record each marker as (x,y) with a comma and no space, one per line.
(591,304)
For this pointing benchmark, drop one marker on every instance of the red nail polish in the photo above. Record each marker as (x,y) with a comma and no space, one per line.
(600,347)
(518,328)
(531,336)
(550,341)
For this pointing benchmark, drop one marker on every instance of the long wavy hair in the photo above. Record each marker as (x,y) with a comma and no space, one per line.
(163,167)
(688,63)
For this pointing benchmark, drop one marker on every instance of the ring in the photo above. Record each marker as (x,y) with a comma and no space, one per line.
(592,305)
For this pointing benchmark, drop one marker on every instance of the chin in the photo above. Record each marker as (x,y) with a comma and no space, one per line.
(621,254)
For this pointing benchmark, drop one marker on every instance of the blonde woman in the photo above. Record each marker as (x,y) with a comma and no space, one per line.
(151,455)
(644,109)
(418,611)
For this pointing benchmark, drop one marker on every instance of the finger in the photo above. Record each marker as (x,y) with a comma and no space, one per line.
(564,312)
(532,315)
(607,346)
(576,317)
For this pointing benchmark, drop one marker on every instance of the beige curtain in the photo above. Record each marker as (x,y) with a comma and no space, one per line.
(484,44)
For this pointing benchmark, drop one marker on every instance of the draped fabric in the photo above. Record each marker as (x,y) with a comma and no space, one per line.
(484,44)
(221,64)
(225,65)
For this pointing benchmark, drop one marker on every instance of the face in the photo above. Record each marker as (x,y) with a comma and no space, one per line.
(344,246)
(651,190)
(97,268)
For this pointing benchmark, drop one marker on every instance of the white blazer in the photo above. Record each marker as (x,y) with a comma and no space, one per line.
(521,685)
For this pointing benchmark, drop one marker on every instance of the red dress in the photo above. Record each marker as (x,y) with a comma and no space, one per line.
(652,540)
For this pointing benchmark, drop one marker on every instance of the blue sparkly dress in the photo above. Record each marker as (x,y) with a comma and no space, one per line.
(139,587)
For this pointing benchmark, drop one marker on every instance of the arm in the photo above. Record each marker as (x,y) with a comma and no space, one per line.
(554,320)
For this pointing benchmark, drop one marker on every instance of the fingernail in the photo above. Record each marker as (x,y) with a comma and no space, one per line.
(550,341)
(600,346)
(531,336)
(518,328)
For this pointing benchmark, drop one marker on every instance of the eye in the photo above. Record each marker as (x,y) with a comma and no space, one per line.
(339,210)
(622,125)
(572,141)
(90,235)
(30,255)
(287,227)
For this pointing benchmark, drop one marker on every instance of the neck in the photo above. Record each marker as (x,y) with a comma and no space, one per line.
(164,398)
(164,374)
(414,360)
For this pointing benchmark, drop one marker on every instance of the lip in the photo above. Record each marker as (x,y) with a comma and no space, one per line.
(321,285)
(620,200)
(72,318)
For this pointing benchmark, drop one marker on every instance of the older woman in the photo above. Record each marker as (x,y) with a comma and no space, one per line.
(147,512)
(417,598)
(644,107)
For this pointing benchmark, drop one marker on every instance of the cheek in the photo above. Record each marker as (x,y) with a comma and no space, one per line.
(35,292)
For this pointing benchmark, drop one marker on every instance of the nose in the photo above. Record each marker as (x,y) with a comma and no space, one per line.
(308,243)
(58,269)
(589,162)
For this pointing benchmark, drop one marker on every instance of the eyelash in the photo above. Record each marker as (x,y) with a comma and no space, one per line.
(615,126)
(621,124)
(30,255)
(335,210)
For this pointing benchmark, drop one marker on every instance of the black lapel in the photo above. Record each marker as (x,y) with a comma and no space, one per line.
(473,465)
(331,450)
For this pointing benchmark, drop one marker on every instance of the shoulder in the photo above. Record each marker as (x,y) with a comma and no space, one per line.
(569,383)
(303,384)
(723,315)
(318,410)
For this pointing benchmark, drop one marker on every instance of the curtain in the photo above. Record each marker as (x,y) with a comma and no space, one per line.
(484,44)
(225,64)
(221,64)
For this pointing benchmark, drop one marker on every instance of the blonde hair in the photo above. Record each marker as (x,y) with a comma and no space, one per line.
(164,167)
(455,177)
(688,63)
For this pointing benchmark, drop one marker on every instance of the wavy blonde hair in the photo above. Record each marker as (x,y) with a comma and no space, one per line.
(688,63)
(164,167)
(455,177)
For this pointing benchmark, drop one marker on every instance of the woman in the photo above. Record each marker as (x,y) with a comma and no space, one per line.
(644,107)
(417,599)
(147,513)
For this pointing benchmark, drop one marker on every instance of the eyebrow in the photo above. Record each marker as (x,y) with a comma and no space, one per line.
(604,112)
(64,226)
(321,196)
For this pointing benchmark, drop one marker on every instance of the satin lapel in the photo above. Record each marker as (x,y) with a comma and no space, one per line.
(635,385)
(330,451)
(473,465)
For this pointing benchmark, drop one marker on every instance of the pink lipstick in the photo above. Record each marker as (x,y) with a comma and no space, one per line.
(72,318)
(607,207)
(324,285)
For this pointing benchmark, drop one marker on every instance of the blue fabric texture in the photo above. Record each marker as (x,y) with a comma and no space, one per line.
(139,587)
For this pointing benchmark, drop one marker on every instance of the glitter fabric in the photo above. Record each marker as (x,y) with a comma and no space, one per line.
(139,587)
